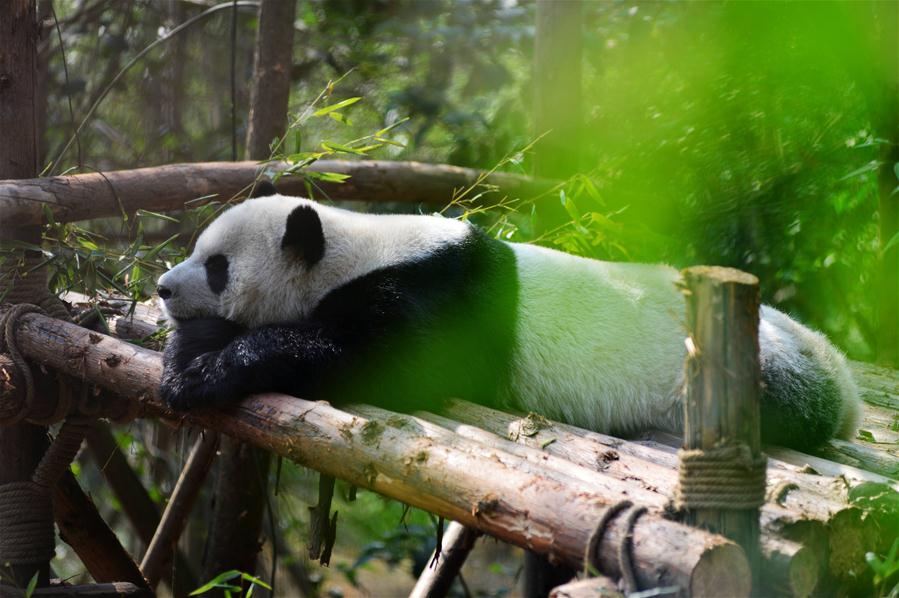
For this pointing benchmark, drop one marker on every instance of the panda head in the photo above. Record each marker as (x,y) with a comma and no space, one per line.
(252,265)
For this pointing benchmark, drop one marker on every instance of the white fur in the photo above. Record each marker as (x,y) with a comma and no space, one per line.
(268,285)
(599,344)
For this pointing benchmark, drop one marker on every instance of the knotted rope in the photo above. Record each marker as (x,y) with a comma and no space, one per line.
(625,558)
(729,477)
(26,513)
(26,519)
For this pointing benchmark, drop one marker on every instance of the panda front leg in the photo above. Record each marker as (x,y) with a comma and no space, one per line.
(288,358)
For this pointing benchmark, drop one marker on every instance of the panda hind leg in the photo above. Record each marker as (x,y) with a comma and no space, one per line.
(809,395)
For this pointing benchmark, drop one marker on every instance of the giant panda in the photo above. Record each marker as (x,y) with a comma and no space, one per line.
(402,311)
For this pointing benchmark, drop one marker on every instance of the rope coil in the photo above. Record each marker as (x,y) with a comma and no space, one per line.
(26,523)
(728,477)
(625,546)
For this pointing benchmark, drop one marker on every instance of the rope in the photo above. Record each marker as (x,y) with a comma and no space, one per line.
(8,345)
(26,509)
(26,524)
(625,546)
(728,478)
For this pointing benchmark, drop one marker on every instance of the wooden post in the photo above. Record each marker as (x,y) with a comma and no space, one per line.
(440,572)
(21,445)
(173,520)
(242,481)
(722,406)
(136,502)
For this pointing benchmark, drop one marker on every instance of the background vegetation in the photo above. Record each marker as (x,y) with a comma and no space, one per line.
(735,133)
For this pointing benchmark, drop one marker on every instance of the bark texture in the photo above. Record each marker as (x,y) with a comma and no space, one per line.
(162,188)
(484,488)
(23,444)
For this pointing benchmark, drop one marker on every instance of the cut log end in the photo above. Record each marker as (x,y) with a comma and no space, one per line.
(720,275)
(723,566)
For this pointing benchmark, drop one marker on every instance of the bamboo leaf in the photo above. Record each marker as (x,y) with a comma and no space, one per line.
(337,106)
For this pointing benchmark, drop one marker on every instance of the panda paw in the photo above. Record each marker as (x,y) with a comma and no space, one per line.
(202,383)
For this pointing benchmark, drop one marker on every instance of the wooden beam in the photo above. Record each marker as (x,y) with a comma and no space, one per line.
(173,520)
(444,566)
(165,188)
(495,492)
(82,528)
(723,379)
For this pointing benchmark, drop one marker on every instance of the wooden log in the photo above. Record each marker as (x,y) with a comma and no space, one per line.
(723,379)
(170,187)
(479,487)
(878,385)
(95,590)
(174,518)
(790,565)
(862,457)
(139,508)
(82,528)
(443,566)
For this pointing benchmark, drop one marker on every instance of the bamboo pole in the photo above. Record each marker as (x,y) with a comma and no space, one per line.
(443,566)
(174,518)
(170,187)
(495,492)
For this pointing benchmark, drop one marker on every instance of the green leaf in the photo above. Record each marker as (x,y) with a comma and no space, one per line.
(871,166)
(255,580)
(896,169)
(389,141)
(337,106)
(32,583)
(329,177)
(339,117)
(890,244)
(217,582)
(335,147)
(865,435)
(158,215)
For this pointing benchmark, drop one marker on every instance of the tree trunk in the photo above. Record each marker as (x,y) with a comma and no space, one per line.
(242,483)
(272,60)
(23,444)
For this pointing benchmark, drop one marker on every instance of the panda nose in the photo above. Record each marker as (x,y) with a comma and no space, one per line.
(163,292)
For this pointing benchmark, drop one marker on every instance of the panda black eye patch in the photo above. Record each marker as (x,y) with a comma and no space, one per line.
(217,273)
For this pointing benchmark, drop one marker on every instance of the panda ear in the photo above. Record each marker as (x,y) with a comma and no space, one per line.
(303,235)
(264,188)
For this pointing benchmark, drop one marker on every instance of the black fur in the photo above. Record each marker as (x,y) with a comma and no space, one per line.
(264,188)
(217,273)
(304,235)
(189,342)
(404,337)
(800,406)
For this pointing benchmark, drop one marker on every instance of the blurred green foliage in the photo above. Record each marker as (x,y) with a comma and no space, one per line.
(744,134)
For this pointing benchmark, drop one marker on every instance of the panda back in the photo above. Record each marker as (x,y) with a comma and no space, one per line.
(598,344)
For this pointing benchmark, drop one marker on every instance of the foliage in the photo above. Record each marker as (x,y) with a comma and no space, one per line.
(225,583)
